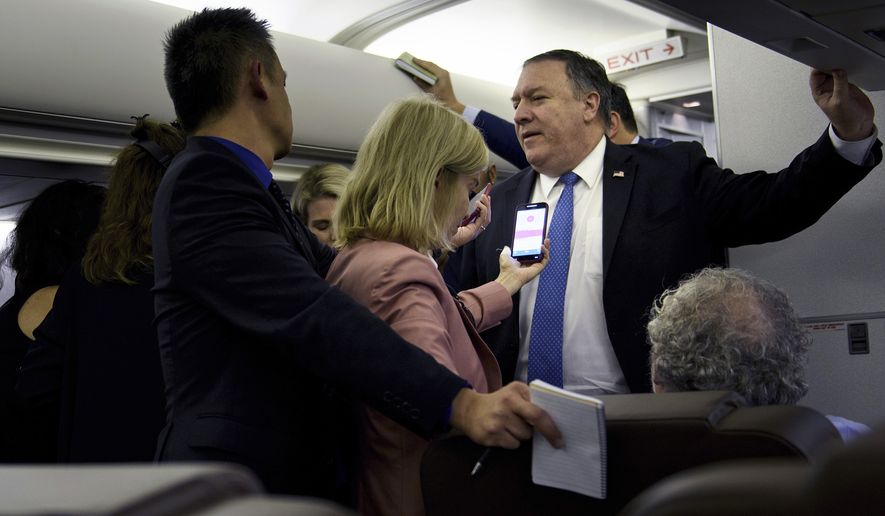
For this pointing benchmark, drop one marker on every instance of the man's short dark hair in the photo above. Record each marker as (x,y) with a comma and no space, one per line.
(621,106)
(206,55)
(586,75)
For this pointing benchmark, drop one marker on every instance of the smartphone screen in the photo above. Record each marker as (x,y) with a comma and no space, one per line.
(528,237)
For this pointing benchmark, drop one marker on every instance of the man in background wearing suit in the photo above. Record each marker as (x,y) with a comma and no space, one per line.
(250,334)
(624,130)
(500,135)
(629,221)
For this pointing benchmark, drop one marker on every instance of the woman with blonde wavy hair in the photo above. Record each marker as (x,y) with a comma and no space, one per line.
(406,197)
(315,197)
(96,354)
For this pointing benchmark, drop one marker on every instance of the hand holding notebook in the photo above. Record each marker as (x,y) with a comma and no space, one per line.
(580,465)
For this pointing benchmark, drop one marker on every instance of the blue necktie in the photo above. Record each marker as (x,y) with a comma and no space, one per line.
(545,346)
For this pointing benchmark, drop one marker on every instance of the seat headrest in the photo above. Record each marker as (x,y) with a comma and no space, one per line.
(121,488)
(709,406)
(649,437)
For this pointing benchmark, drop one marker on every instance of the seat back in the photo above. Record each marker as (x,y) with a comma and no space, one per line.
(263,505)
(852,480)
(650,436)
(121,489)
(847,481)
(761,487)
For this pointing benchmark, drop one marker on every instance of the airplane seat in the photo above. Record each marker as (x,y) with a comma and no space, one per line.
(256,505)
(121,489)
(169,489)
(761,487)
(847,481)
(650,436)
(851,480)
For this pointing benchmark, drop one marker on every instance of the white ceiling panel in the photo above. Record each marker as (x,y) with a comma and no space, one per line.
(485,39)
(314,19)
(489,39)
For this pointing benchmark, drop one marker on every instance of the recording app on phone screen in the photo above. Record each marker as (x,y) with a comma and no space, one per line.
(528,239)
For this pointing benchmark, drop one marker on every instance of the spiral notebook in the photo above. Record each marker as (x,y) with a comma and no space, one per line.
(579,466)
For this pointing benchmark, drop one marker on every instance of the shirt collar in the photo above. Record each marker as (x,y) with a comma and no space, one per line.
(249,158)
(587,170)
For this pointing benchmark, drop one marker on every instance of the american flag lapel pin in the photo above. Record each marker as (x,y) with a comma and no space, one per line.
(618,173)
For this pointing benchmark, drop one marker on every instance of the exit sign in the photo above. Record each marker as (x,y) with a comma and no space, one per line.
(642,55)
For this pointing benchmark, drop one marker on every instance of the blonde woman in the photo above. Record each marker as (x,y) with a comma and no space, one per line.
(406,197)
(315,197)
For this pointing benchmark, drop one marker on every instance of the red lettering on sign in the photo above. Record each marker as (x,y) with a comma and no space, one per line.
(627,59)
(613,63)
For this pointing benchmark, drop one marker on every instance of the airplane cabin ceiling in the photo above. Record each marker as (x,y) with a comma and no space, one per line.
(485,39)
(96,69)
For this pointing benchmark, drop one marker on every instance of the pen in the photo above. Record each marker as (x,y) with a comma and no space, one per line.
(480,461)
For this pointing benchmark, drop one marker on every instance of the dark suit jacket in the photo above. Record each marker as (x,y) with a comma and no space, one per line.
(96,357)
(251,334)
(664,219)
(654,142)
(500,136)
(27,434)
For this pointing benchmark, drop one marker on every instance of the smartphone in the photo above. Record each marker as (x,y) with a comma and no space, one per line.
(528,235)
(406,63)
(473,205)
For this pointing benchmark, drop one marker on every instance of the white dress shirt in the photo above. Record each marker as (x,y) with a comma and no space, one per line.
(589,362)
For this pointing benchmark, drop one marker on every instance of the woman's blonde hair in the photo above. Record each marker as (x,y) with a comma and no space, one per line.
(326,180)
(391,193)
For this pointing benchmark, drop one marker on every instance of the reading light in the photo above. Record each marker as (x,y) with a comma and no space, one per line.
(693,103)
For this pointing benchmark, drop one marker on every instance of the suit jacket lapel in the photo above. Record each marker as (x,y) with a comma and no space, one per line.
(618,172)
(296,230)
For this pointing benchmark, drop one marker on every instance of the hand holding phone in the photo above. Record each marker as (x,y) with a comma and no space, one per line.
(473,206)
(529,232)
(513,274)
(479,213)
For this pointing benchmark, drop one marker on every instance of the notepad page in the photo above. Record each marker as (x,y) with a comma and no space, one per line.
(579,466)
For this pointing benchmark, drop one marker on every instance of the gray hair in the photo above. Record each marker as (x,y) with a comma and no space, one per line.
(723,329)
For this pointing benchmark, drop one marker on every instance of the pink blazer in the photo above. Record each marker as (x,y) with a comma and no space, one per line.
(405,289)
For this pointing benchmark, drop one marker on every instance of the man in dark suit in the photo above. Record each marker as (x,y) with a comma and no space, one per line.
(251,337)
(663,213)
(624,130)
(500,135)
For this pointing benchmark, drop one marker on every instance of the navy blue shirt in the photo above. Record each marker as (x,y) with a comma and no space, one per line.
(249,158)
